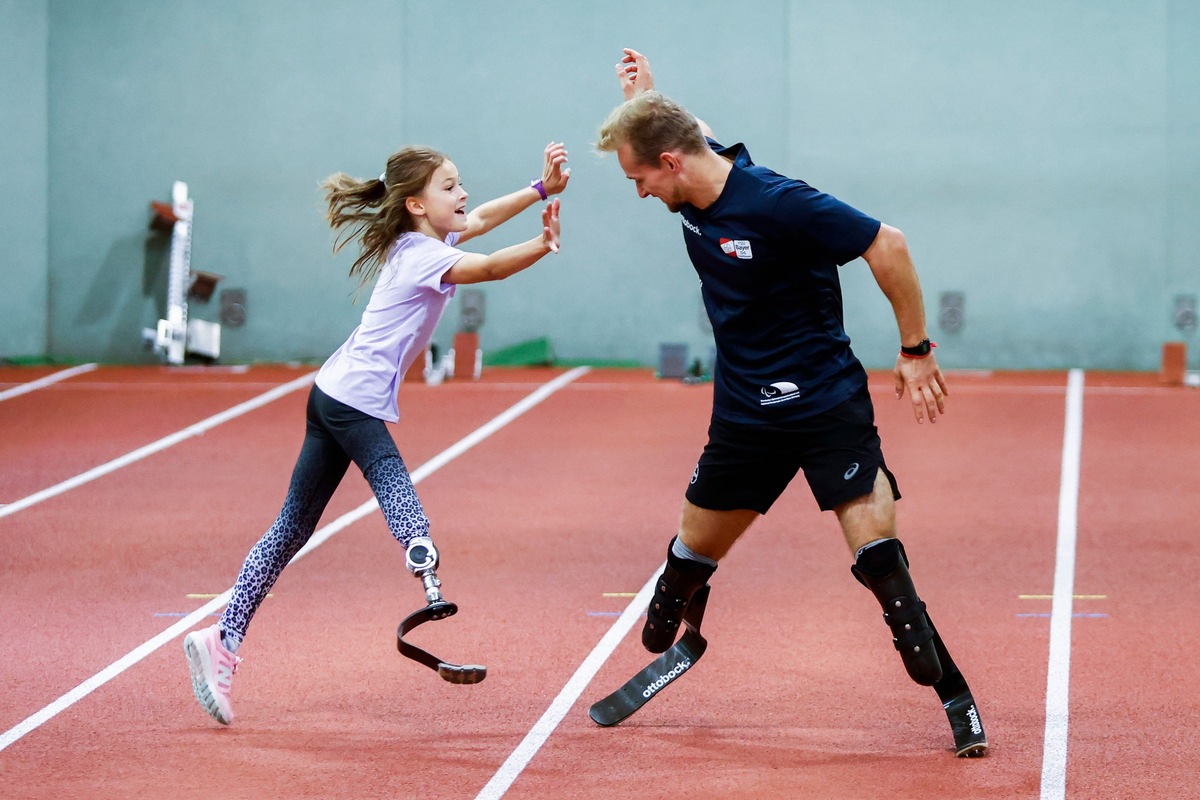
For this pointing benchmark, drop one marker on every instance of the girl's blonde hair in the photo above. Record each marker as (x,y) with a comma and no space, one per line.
(374,210)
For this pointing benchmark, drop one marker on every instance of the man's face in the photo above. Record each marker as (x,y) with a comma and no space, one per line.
(659,180)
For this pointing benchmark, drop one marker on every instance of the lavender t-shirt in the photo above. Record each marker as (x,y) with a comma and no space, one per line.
(405,306)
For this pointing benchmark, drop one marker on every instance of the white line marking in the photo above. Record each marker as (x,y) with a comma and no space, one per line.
(41,383)
(1058,679)
(541,730)
(154,447)
(138,653)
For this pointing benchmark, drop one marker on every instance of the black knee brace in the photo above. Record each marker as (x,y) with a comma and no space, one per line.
(903,611)
(678,582)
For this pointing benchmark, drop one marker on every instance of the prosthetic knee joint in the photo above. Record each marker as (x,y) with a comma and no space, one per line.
(421,558)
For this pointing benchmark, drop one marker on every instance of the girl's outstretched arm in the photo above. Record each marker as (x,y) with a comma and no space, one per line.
(494,212)
(476,268)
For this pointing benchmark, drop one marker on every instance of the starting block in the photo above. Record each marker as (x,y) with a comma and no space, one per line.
(465,360)
(177,336)
(468,357)
(1173,371)
(420,367)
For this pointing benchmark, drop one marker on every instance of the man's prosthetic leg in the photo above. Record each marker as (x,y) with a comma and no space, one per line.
(421,558)
(678,582)
(970,740)
(883,568)
(680,597)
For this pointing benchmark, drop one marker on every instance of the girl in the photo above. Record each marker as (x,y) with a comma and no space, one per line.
(409,222)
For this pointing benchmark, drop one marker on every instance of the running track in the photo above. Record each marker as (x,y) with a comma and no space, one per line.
(547,526)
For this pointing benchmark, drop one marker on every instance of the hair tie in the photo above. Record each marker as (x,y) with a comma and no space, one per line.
(383,178)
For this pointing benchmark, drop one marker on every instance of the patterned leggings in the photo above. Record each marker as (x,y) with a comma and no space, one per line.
(336,435)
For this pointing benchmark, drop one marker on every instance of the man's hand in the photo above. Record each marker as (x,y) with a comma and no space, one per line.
(921,379)
(554,175)
(634,74)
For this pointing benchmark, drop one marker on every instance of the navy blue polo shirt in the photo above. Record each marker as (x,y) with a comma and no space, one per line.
(767,252)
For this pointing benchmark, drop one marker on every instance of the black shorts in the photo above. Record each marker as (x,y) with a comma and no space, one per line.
(749,466)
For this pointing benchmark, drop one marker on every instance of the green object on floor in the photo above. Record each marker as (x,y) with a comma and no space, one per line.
(531,353)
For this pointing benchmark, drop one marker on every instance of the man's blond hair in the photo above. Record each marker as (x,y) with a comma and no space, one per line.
(652,124)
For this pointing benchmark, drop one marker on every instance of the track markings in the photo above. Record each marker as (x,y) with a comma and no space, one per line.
(36,720)
(1076,614)
(516,762)
(198,596)
(1058,676)
(42,383)
(154,447)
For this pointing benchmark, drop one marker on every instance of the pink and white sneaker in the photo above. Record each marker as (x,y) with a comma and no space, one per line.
(212,669)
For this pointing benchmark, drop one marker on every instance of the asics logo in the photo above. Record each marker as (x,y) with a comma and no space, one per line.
(690,225)
(973,716)
(779,392)
(850,473)
(664,680)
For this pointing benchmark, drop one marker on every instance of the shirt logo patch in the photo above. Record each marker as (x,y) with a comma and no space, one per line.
(737,248)
(779,392)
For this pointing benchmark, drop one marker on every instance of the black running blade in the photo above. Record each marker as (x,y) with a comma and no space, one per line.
(641,688)
(451,673)
(970,741)
(659,674)
(466,673)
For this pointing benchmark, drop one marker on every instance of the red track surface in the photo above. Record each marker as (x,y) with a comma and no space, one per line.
(799,695)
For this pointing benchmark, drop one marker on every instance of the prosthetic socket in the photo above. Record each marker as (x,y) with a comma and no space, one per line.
(904,612)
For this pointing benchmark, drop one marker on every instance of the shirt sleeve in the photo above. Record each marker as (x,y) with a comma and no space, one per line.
(434,261)
(840,229)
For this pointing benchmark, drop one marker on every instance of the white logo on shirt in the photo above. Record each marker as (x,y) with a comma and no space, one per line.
(779,392)
(690,225)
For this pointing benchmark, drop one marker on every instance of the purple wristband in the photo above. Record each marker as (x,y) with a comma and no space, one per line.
(541,189)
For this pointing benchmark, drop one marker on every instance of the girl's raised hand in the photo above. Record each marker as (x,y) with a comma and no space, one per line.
(554,175)
(633,72)
(550,225)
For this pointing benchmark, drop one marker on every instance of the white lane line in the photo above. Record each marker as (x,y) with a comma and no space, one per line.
(93,683)
(154,447)
(541,730)
(41,383)
(1058,678)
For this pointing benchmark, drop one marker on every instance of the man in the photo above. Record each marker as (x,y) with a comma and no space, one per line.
(789,394)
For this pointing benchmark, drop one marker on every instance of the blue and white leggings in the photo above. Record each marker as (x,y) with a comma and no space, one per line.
(336,435)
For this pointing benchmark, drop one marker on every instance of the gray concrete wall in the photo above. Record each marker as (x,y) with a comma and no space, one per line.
(1041,157)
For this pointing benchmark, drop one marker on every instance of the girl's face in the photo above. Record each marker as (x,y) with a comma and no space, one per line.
(443,201)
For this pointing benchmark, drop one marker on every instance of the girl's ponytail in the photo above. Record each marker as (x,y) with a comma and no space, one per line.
(373,210)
